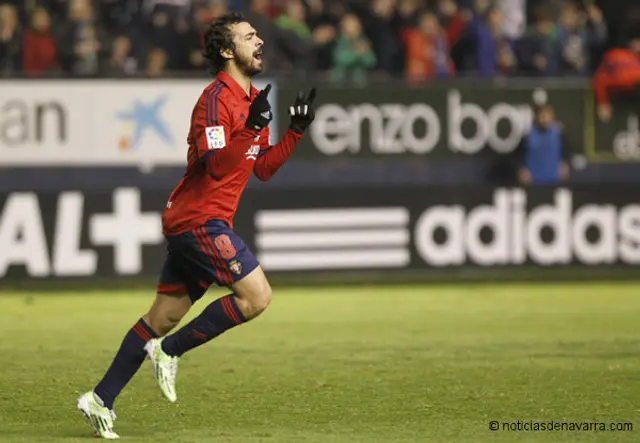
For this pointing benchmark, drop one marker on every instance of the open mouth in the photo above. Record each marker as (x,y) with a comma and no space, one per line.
(258,55)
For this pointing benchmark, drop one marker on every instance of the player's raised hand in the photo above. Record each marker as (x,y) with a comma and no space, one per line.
(260,111)
(302,112)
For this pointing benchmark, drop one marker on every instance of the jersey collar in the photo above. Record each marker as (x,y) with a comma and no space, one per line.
(235,88)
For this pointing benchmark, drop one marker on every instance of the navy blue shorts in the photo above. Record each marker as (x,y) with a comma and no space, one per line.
(210,254)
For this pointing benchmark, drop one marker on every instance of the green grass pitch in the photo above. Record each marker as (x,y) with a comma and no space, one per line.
(339,364)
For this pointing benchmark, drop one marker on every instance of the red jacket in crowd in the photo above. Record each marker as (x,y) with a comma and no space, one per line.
(454,29)
(427,57)
(618,72)
(40,53)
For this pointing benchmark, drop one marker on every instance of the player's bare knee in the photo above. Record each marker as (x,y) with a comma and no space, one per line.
(171,320)
(160,324)
(254,303)
(164,325)
(262,300)
(162,321)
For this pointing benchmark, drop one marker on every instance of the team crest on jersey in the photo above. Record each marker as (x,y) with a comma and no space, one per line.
(235,267)
(215,137)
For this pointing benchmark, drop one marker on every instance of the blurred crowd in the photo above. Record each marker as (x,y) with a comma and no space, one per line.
(413,39)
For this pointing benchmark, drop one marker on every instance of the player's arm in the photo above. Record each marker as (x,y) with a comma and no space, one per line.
(219,152)
(271,158)
(601,83)
(523,173)
(563,167)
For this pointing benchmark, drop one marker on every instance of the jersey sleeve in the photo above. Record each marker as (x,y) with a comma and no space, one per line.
(219,151)
(272,157)
(265,143)
(214,124)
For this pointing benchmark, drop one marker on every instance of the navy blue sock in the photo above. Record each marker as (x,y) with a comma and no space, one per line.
(126,363)
(220,316)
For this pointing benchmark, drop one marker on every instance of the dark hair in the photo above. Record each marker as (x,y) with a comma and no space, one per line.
(218,37)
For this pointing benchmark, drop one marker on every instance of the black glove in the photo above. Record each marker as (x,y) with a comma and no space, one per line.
(302,112)
(260,111)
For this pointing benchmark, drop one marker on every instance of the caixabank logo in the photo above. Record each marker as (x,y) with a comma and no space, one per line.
(513,229)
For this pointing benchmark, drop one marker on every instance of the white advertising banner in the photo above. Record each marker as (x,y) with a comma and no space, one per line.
(99,123)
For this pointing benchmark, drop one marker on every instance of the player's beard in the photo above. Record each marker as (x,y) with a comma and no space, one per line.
(249,65)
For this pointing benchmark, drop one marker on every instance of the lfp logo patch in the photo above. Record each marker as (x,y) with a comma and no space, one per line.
(215,137)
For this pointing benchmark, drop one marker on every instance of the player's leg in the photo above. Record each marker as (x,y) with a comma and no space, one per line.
(97,405)
(163,316)
(165,313)
(229,263)
(222,258)
(194,268)
(251,296)
(171,304)
(167,310)
(252,293)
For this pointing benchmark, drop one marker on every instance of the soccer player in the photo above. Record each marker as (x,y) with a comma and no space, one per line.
(228,140)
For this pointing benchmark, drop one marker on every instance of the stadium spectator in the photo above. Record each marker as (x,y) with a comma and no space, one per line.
(543,151)
(406,14)
(10,40)
(353,55)
(576,40)
(161,33)
(82,43)
(323,23)
(122,63)
(427,51)
(190,43)
(40,52)
(538,51)
(514,14)
(295,38)
(452,22)
(384,34)
(157,60)
(480,7)
(494,51)
(618,74)
(302,34)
